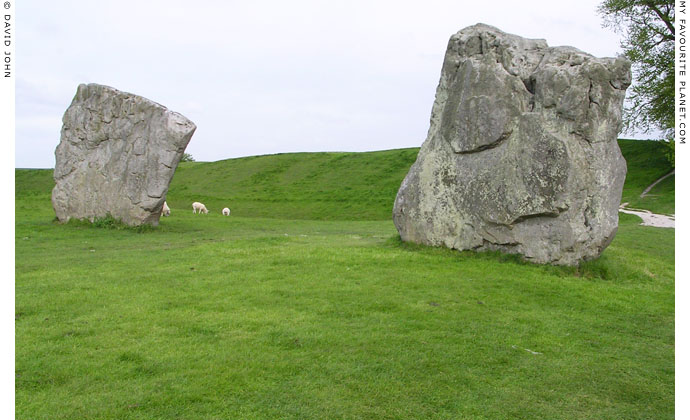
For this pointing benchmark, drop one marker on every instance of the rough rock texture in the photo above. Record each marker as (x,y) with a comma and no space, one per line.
(521,155)
(117,155)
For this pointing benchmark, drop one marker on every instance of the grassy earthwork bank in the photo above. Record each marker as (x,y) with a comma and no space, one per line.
(647,163)
(305,304)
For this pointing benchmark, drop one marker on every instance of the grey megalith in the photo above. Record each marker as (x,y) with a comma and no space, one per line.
(521,154)
(117,155)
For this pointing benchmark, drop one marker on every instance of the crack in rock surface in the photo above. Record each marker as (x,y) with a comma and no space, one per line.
(117,155)
(521,154)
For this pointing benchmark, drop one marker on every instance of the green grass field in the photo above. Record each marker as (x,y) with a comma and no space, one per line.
(305,304)
(646,164)
(311,186)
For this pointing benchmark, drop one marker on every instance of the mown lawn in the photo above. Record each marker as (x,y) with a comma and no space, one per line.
(212,317)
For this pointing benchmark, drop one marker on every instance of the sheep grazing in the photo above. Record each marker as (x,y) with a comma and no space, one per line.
(196,206)
(166,209)
(226,212)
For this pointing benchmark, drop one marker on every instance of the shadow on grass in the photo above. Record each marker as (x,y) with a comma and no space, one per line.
(108,222)
(597,269)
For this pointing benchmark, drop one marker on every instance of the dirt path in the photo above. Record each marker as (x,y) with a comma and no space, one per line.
(651,219)
(646,190)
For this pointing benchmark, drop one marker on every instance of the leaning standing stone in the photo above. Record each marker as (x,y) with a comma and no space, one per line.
(117,155)
(522,153)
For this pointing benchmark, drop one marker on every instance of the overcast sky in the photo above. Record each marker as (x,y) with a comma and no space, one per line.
(262,77)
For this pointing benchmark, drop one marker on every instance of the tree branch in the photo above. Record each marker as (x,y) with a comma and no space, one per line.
(664,17)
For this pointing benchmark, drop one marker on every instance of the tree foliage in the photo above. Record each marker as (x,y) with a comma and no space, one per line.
(186,157)
(649,43)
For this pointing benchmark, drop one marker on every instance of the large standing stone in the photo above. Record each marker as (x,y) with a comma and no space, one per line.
(117,155)
(521,155)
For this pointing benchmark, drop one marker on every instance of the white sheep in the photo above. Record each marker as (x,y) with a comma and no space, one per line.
(166,209)
(200,207)
(226,212)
